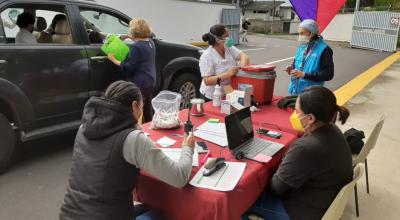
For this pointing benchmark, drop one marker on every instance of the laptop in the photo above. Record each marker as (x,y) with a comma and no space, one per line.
(239,130)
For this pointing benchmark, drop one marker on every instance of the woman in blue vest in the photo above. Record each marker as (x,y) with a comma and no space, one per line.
(313,64)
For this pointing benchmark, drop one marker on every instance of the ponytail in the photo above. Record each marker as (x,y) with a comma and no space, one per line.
(344,114)
(209,38)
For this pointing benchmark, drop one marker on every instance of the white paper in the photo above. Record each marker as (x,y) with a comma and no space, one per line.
(213,132)
(175,154)
(221,141)
(166,142)
(217,128)
(225,179)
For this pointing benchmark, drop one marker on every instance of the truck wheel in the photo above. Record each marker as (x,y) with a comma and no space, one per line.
(7,143)
(188,86)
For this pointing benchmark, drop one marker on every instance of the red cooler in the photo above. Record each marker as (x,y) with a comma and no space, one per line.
(261,77)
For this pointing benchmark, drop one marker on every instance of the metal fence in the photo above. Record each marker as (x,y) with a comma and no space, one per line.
(375,30)
(231,19)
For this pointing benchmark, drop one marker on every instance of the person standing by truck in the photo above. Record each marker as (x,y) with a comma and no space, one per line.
(140,65)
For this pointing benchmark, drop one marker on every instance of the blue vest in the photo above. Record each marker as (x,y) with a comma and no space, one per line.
(311,66)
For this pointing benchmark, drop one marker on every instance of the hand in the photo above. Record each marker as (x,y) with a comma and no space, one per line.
(233,71)
(124,37)
(189,140)
(111,57)
(298,74)
(289,69)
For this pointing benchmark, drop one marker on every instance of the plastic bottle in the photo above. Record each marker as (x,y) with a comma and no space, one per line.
(217,94)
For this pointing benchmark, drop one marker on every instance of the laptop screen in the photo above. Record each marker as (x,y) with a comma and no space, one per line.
(239,128)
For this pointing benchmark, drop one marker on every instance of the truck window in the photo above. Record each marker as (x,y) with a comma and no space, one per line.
(44,30)
(99,25)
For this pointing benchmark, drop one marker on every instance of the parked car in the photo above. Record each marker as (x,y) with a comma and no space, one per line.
(44,86)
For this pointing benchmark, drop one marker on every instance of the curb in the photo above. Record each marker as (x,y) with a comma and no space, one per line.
(353,87)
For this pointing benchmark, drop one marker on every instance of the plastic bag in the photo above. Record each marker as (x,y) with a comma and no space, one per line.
(166,110)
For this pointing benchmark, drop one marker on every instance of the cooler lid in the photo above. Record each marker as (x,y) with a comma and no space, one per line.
(258,68)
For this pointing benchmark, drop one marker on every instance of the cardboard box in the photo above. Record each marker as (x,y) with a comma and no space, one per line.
(228,107)
(242,97)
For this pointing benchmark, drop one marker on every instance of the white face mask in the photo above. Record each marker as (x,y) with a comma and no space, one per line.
(303,39)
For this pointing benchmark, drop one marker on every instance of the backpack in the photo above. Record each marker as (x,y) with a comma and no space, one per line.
(355,138)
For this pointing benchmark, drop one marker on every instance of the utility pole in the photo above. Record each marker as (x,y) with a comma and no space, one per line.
(273,17)
(357,5)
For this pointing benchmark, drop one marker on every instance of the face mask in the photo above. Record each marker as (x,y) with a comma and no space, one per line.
(296,122)
(229,43)
(303,39)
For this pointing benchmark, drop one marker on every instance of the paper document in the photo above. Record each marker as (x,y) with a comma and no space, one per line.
(213,132)
(166,142)
(175,154)
(225,179)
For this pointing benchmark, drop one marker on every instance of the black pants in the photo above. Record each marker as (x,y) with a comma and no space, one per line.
(148,112)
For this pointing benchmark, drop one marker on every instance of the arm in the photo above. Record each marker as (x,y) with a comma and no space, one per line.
(244,59)
(326,71)
(208,73)
(141,152)
(212,80)
(295,169)
(130,64)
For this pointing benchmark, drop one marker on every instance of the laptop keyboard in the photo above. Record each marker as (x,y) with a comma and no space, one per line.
(257,146)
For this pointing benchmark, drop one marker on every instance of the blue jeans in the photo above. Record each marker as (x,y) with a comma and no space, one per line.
(142,213)
(267,207)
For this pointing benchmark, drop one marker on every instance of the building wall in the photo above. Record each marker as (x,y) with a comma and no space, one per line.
(286,14)
(256,16)
(264,27)
(340,28)
(175,20)
(252,14)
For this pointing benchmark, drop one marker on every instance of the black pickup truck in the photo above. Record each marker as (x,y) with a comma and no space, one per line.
(44,86)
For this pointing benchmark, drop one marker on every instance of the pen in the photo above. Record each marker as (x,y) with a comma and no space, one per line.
(205,158)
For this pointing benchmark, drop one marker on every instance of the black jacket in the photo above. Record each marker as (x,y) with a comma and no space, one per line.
(101,181)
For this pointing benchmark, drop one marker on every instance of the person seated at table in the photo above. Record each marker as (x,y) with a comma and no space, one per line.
(110,151)
(218,63)
(316,166)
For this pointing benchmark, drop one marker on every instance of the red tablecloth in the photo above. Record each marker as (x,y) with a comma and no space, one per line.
(269,117)
(198,203)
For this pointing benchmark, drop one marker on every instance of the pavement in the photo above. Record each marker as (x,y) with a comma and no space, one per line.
(34,187)
(348,62)
(378,99)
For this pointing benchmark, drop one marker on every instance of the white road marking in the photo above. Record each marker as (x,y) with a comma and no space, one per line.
(253,49)
(278,61)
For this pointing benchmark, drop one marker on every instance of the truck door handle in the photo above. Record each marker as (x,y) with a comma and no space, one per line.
(98,58)
(3,61)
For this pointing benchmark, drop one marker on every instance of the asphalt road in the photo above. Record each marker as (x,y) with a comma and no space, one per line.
(34,187)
